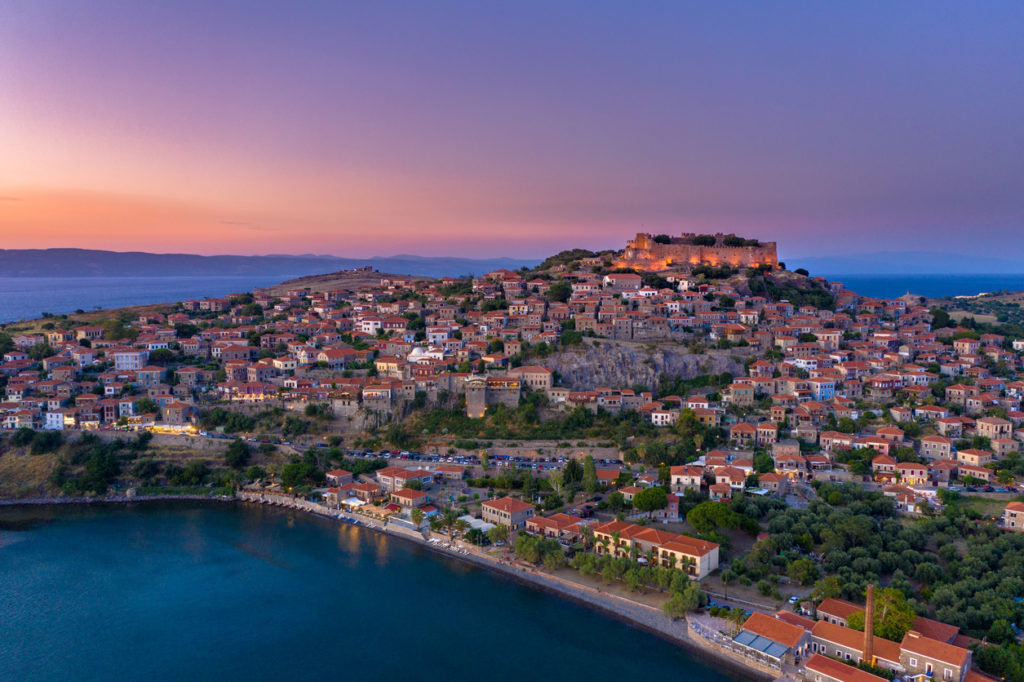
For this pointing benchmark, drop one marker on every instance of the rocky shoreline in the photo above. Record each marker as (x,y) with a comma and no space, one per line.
(635,614)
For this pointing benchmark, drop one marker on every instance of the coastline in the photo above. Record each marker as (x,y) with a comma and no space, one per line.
(640,616)
(56,501)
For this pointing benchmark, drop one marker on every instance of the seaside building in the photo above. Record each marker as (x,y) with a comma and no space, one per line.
(508,512)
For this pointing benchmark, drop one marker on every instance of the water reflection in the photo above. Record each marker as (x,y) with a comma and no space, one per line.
(350,546)
(383,547)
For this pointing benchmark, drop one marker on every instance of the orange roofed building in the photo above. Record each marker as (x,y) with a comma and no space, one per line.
(824,669)
(623,539)
(508,512)
(771,640)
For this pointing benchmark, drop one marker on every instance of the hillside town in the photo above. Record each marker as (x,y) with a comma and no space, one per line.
(885,408)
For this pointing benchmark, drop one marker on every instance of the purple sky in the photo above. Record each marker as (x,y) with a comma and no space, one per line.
(518,128)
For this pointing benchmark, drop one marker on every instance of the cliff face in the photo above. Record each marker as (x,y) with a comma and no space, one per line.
(624,364)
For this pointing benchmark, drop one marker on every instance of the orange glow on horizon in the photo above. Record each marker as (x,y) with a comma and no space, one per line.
(39,219)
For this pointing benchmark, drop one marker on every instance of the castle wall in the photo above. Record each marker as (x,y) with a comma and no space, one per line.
(646,254)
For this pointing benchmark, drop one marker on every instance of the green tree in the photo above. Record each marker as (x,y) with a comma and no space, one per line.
(572,474)
(449,518)
(530,486)
(498,534)
(802,570)
(161,356)
(254,473)
(6,342)
(590,482)
(651,499)
(237,455)
(1001,632)
(826,588)
(940,318)
(45,441)
(417,516)
(301,473)
(682,601)
(146,406)
(894,616)
(145,469)
(559,292)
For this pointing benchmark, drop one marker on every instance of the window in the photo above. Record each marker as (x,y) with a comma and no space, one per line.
(913,662)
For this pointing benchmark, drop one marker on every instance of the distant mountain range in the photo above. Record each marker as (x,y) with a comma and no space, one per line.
(905,263)
(92,263)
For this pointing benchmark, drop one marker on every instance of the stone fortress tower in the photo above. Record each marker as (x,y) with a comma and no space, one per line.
(690,250)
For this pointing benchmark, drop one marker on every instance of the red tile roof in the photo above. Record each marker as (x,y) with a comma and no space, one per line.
(835,670)
(508,504)
(916,643)
(774,629)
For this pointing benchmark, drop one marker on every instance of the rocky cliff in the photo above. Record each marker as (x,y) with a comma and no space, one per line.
(625,364)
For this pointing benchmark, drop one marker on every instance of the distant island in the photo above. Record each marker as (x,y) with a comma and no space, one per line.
(96,263)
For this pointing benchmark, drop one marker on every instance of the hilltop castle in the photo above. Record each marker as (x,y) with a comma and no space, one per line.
(689,250)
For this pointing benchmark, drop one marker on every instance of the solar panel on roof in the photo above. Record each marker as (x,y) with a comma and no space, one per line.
(745,637)
(762,644)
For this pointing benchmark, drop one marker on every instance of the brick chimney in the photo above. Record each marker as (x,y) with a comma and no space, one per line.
(868,655)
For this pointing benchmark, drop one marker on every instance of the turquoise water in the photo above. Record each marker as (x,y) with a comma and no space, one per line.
(172,592)
(932,286)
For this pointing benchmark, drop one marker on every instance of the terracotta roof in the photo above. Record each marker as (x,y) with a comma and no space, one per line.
(658,537)
(839,608)
(835,670)
(508,504)
(555,521)
(795,619)
(774,629)
(916,643)
(943,632)
(854,639)
(408,494)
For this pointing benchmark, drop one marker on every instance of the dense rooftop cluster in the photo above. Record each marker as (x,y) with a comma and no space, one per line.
(838,389)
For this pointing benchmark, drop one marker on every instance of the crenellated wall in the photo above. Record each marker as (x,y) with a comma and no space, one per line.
(643,253)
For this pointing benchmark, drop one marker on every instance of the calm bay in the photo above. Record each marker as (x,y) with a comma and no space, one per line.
(170,591)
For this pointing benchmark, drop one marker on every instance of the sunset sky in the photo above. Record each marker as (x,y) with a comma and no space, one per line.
(510,128)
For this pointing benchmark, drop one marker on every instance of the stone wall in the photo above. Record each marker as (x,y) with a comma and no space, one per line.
(643,253)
